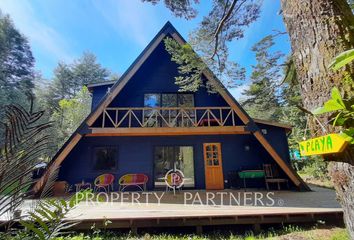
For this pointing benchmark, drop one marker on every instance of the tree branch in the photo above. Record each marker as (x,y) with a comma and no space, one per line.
(221,24)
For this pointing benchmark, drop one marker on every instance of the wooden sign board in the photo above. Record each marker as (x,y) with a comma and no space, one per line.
(331,143)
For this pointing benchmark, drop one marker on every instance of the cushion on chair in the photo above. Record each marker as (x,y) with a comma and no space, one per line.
(135,178)
(104,180)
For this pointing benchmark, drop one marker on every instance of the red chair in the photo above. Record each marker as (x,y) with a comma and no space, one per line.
(104,181)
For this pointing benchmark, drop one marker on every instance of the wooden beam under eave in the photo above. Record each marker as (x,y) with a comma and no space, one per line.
(277,158)
(167,131)
(57,161)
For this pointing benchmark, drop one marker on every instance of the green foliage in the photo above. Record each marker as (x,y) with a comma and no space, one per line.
(16,67)
(342,113)
(334,104)
(46,221)
(68,103)
(25,141)
(180,8)
(342,59)
(286,232)
(315,168)
(70,114)
(263,93)
(69,79)
(274,93)
(191,68)
(16,60)
(227,21)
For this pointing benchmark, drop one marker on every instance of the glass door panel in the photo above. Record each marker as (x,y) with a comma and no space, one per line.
(166,157)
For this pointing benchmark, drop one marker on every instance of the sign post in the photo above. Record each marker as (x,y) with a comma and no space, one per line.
(331,143)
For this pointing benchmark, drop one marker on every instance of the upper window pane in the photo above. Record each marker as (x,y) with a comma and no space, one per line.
(185,100)
(169,100)
(152,100)
(105,159)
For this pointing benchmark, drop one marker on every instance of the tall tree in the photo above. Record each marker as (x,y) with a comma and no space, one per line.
(68,103)
(263,93)
(16,67)
(87,70)
(69,79)
(16,60)
(70,114)
(320,30)
(291,100)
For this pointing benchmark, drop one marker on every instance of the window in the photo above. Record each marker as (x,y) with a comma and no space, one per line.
(185,100)
(167,100)
(152,100)
(168,157)
(105,159)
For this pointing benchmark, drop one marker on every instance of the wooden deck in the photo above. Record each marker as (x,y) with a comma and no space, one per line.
(174,210)
(289,207)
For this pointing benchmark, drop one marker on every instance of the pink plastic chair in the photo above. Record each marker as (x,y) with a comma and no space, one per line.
(104,181)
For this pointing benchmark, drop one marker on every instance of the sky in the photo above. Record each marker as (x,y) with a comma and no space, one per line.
(116,31)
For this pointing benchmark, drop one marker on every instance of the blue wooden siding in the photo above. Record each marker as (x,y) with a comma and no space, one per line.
(135,155)
(98,94)
(277,137)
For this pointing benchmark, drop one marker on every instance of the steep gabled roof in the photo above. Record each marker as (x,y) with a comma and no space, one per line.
(99,84)
(167,29)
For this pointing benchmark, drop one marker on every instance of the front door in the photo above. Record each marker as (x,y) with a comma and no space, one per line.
(214,179)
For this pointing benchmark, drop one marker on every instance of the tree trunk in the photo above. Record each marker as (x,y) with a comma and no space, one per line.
(319,30)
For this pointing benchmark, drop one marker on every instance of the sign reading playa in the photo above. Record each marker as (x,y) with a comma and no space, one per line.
(331,143)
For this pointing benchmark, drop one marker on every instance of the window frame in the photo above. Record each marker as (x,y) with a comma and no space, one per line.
(167,93)
(193,146)
(94,158)
(159,99)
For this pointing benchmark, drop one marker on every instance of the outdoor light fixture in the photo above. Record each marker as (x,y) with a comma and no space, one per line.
(264,131)
(247,148)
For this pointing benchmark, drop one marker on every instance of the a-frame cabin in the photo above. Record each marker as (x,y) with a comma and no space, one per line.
(143,124)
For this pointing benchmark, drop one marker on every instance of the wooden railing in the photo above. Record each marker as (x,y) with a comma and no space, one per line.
(168,117)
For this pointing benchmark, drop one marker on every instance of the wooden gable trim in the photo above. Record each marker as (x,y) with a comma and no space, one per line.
(58,160)
(120,85)
(260,137)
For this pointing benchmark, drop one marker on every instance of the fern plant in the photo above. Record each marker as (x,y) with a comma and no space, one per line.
(47,220)
(25,142)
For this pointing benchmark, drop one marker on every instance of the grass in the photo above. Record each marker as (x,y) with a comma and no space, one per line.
(289,232)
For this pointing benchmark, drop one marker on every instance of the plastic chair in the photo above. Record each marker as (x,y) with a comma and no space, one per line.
(133,179)
(104,181)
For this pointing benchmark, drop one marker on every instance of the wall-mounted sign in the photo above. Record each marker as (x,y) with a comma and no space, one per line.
(331,143)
